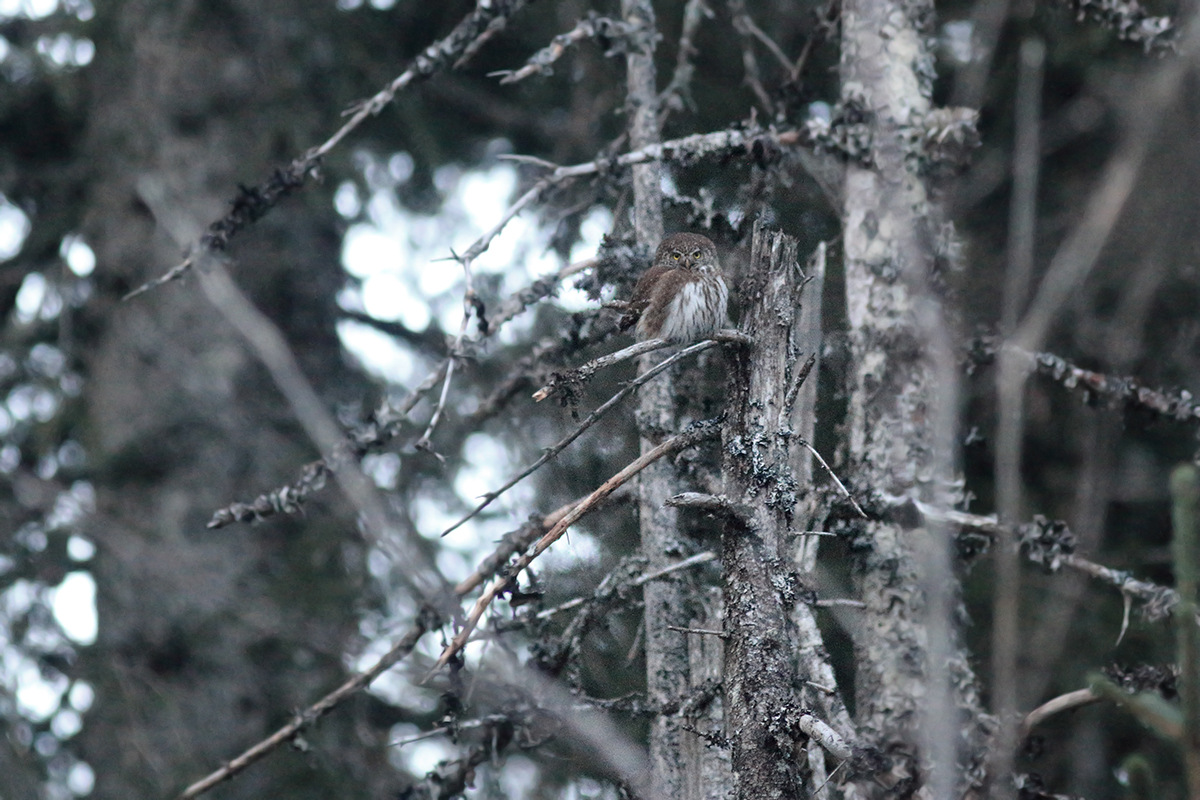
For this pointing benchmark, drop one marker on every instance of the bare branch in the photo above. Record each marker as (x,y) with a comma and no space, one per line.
(405,645)
(678,93)
(854,503)
(590,27)
(687,563)
(253,203)
(591,420)
(697,433)
(289,499)
(825,736)
(1064,702)
(1131,22)
(584,373)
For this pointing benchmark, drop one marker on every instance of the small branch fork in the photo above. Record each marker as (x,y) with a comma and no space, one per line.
(696,434)
(253,203)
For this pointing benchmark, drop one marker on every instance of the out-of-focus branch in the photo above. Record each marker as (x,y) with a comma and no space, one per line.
(1064,702)
(1131,22)
(743,24)
(252,203)
(310,715)
(1050,544)
(678,93)
(1113,390)
(1006,593)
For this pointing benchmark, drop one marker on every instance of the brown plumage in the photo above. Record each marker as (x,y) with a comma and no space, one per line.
(682,297)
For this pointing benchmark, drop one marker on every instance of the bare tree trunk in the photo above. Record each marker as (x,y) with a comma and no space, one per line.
(666,600)
(913,680)
(762,707)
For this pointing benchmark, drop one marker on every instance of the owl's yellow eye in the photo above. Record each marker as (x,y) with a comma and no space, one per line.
(675,256)
(696,254)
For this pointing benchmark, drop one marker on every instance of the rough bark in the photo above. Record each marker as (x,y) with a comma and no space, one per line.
(899,402)
(204,646)
(761,704)
(666,600)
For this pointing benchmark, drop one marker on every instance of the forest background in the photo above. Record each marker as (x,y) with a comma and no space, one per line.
(221,498)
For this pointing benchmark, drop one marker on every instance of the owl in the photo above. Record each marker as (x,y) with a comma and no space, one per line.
(682,297)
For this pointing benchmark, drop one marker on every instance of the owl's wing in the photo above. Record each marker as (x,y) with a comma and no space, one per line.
(643,293)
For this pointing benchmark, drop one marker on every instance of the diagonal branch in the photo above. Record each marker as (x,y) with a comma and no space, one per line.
(253,203)
(695,434)
(424,622)
(591,420)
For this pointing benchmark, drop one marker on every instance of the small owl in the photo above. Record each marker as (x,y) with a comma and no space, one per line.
(682,297)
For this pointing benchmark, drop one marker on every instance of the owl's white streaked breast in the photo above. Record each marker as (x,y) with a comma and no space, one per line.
(692,315)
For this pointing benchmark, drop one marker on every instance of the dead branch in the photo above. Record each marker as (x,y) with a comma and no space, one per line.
(697,433)
(253,203)
(289,499)
(590,27)
(1064,702)
(584,373)
(678,93)
(591,420)
(425,621)
(1131,22)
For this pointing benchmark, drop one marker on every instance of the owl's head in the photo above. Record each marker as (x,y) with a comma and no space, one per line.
(687,250)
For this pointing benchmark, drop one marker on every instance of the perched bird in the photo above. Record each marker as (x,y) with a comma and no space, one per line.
(682,297)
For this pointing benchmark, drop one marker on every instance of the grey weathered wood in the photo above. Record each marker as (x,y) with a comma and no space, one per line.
(762,708)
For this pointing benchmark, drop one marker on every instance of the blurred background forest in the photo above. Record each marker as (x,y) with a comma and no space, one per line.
(140,649)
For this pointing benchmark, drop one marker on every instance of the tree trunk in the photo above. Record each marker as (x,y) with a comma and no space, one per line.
(666,600)
(913,680)
(761,466)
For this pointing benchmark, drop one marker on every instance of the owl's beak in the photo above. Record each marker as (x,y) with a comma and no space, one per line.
(687,262)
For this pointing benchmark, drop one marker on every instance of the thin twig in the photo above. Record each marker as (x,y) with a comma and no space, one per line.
(583,373)
(591,420)
(832,474)
(840,602)
(699,631)
(1064,702)
(694,435)
(590,27)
